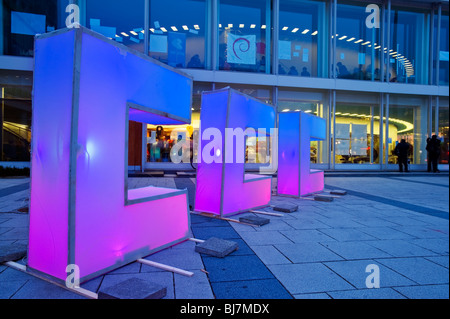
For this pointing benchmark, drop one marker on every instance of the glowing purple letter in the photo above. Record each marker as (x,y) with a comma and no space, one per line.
(222,186)
(296,130)
(86,88)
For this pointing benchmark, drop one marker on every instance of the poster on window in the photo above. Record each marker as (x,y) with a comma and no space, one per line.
(359,139)
(241,49)
(177,49)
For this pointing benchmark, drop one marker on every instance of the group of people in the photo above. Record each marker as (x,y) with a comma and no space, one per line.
(403,150)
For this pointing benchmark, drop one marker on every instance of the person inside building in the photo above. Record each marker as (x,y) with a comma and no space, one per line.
(434,150)
(402,151)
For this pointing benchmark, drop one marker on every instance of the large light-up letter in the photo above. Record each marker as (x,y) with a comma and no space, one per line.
(296,130)
(222,186)
(86,88)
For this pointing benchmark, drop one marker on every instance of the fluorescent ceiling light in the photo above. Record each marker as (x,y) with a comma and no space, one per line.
(351,39)
(377,47)
(263,26)
(314,33)
(285,110)
(174,28)
(230,25)
(285,28)
(196,27)
(185,27)
(360,40)
(294,30)
(241,26)
(343,37)
(163,29)
(124,34)
(252,26)
(305,31)
(367,42)
(133,33)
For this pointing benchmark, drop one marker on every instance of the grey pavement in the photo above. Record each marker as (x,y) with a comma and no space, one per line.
(399,223)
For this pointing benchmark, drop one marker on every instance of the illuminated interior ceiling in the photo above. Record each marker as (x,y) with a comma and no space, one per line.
(402,125)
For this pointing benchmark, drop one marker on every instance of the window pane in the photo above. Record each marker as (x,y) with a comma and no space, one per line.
(244,30)
(302,46)
(357,132)
(443,133)
(122,21)
(177,32)
(358,47)
(22,19)
(443,50)
(409,39)
(408,119)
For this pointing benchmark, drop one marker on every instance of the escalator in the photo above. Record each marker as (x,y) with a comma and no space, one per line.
(16,142)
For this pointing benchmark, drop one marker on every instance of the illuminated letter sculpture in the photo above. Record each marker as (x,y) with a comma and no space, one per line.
(86,88)
(222,187)
(296,130)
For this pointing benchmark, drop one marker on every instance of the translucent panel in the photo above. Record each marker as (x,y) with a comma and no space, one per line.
(81,210)
(222,187)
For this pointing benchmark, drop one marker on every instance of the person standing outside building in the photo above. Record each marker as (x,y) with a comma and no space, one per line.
(434,150)
(402,151)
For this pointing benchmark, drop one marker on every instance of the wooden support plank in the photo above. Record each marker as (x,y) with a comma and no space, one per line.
(166,267)
(266,213)
(223,218)
(196,240)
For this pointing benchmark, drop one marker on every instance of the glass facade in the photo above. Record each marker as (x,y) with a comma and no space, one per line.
(408,56)
(178,38)
(303,38)
(118,20)
(22,19)
(409,118)
(358,127)
(244,35)
(358,48)
(261,39)
(443,50)
(443,130)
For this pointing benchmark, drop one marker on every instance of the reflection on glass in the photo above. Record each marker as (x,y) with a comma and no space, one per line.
(408,120)
(443,133)
(301,45)
(357,138)
(358,47)
(244,31)
(177,37)
(118,20)
(408,54)
(443,51)
(22,20)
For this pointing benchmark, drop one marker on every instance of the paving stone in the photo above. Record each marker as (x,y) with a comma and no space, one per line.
(374,293)
(320,198)
(254,220)
(216,247)
(425,292)
(133,288)
(285,208)
(12,252)
(250,289)
(235,268)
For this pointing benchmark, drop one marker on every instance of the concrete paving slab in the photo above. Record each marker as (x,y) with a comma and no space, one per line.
(133,288)
(308,278)
(418,269)
(216,247)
